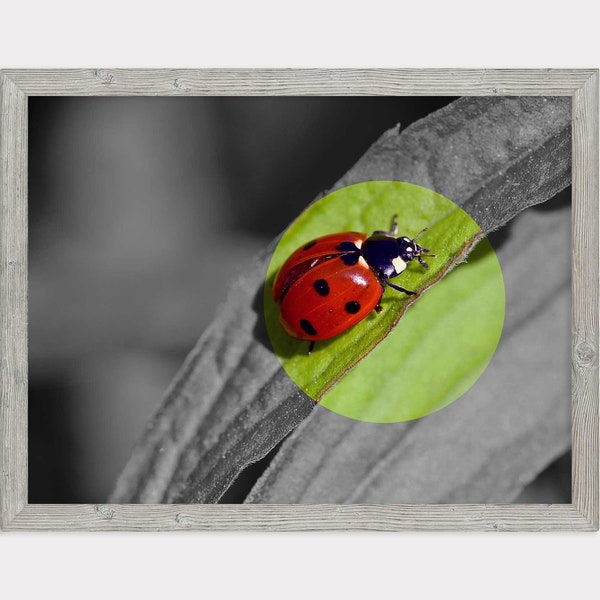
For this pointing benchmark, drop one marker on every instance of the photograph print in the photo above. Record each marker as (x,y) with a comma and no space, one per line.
(299,300)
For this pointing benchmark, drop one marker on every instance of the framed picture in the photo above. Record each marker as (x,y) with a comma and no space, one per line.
(170,360)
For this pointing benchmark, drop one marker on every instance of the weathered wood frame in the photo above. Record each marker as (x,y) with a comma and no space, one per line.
(15,88)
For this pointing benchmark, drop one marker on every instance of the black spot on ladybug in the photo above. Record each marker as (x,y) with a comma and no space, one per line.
(352,307)
(347,247)
(350,259)
(307,327)
(321,287)
(309,245)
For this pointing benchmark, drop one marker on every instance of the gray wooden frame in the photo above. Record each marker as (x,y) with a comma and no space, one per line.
(15,88)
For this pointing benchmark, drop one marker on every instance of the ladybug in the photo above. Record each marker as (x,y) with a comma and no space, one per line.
(331,283)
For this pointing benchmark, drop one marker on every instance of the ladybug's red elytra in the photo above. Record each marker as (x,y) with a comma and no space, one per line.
(331,283)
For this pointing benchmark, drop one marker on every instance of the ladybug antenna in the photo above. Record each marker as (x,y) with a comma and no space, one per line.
(420,233)
(421,250)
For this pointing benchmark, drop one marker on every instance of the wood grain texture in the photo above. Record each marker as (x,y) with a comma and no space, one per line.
(290,82)
(13,300)
(585,300)
(288,517)
(582,85)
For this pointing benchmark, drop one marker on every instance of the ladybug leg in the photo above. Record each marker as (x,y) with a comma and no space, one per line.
(393,230)
(378,307)
(398,288)
(311,347)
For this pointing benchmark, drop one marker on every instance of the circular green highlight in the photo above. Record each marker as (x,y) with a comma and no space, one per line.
(380,371)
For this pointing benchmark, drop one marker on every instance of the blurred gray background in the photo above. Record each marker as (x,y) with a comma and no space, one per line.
(141,211)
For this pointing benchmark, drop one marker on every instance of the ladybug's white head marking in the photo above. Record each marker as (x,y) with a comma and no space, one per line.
(399,264)
(409,250)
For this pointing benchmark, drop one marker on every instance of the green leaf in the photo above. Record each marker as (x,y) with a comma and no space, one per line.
(444,332)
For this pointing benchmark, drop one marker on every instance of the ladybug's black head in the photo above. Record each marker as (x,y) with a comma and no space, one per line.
(409,249)
(388,255)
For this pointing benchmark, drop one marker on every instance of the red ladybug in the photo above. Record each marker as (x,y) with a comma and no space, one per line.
(331,283)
